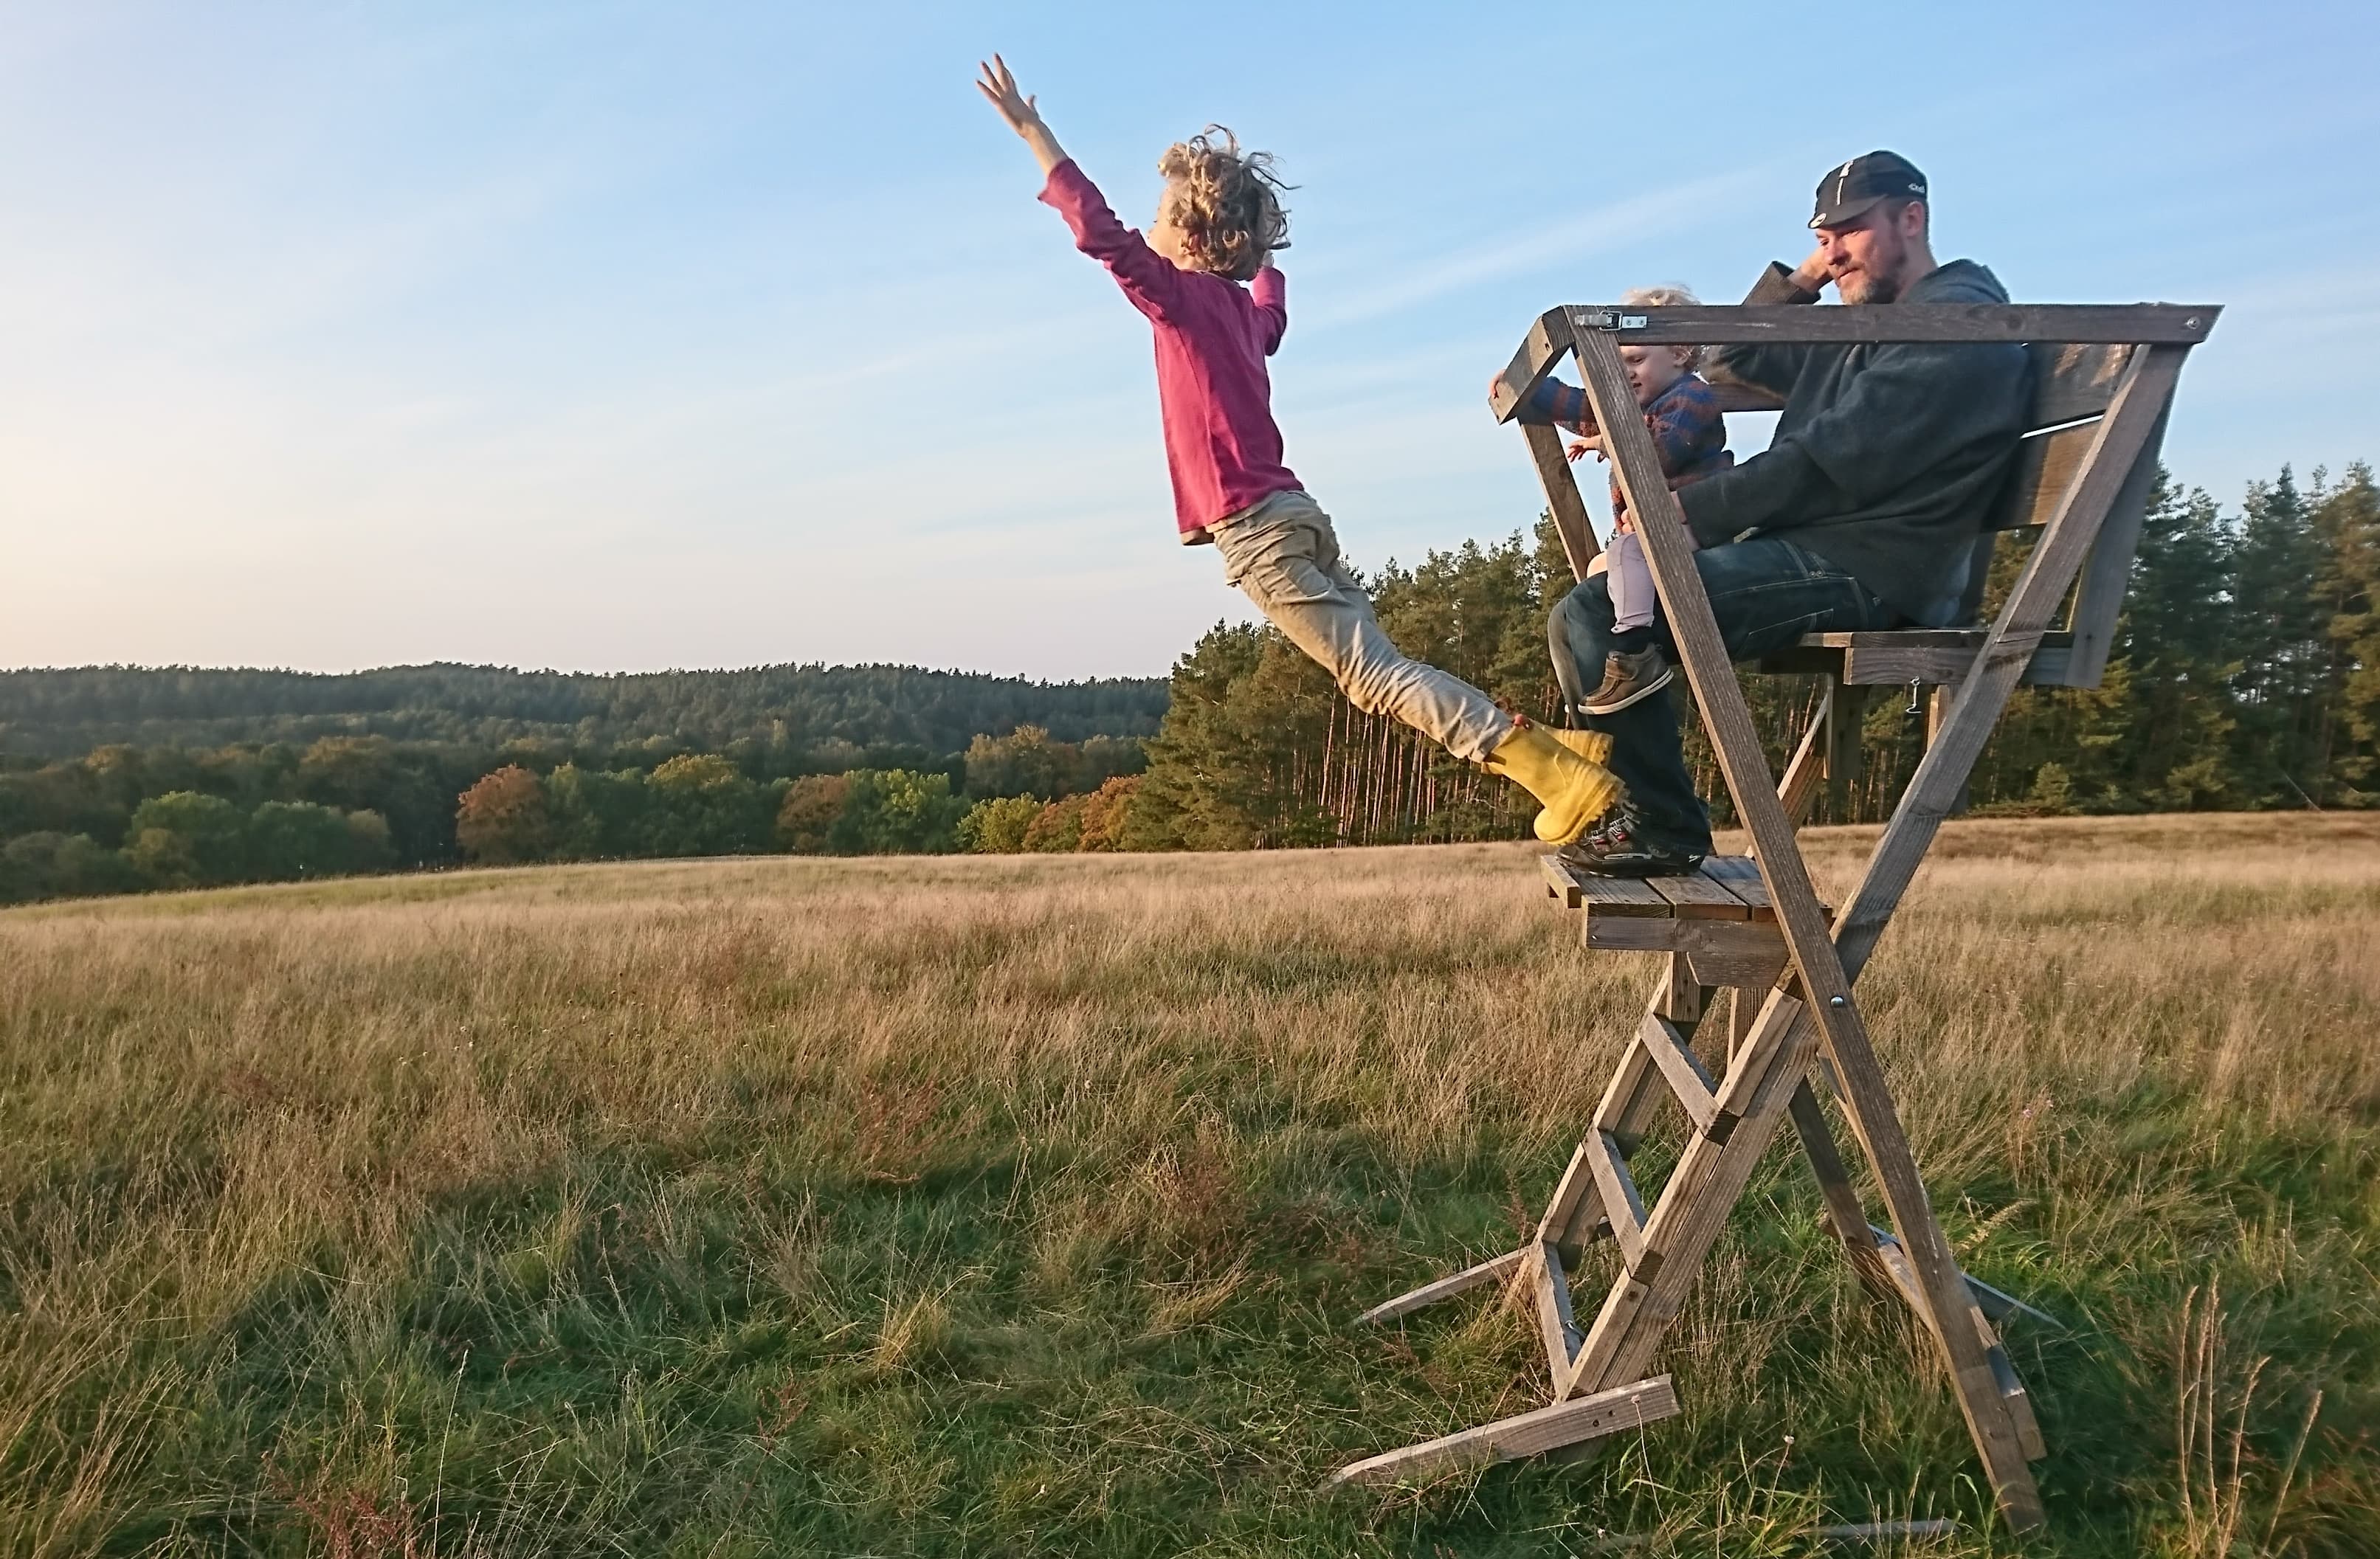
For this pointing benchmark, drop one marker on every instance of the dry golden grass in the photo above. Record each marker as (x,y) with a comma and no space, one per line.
(1017,1205)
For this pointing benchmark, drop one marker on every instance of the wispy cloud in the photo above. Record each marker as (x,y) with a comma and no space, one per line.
(1617,225)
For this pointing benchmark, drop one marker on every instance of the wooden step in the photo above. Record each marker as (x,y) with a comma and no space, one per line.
(1719,915)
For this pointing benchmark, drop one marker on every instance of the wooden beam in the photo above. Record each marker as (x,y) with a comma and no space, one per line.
(1538,352)
(1824,981)
(1621,1206)
(1562,497)
(2164,324)
(1524,1434)
(1682,1068)
(1555,1328)
(2099,600)
(1496,1269)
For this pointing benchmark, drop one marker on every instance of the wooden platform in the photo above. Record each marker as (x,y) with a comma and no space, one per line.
(1719,917)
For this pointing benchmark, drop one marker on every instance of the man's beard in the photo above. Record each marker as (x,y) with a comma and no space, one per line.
(1880,280)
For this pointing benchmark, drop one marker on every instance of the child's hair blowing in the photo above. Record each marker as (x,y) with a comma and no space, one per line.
(1226,202)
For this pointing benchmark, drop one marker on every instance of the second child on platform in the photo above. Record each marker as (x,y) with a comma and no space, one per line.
(1202,277)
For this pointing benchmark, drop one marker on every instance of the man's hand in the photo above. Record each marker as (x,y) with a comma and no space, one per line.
(1023,113)
(1813,274)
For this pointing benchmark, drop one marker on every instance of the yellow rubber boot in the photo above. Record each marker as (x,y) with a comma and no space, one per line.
(1572,790)
(1594,746)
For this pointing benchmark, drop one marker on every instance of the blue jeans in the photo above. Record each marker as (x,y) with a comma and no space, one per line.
(1766,593)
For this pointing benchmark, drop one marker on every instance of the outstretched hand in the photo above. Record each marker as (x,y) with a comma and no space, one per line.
(1023,113)
(1584,448)
(999,85)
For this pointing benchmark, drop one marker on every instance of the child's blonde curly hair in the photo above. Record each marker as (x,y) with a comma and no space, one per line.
(1226,202)
(1669,295)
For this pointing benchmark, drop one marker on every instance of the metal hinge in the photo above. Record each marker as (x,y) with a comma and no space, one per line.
(1605,319)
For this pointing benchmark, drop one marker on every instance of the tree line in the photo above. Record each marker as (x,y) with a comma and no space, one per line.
(2246,675)
(834,717)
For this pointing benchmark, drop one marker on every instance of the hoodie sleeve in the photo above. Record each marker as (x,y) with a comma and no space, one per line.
(1762,368)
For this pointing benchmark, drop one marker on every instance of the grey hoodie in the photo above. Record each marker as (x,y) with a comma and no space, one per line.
(1888,458)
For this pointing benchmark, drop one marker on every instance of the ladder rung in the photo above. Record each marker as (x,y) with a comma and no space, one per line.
(1622,1206)
(1755,1055)
(1562,1337)
(1684,1072)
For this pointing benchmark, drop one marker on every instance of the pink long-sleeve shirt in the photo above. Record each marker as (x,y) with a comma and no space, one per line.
(1213,336)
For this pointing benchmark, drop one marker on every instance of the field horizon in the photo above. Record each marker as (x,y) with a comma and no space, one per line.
(1021,1205)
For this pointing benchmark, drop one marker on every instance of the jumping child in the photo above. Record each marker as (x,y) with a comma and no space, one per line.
(1217,223)
(1689,435)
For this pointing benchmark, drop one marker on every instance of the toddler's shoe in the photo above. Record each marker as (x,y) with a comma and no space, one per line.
(1628,678)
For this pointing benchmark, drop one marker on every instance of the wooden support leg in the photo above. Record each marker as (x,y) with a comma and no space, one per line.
(1846,713)
(1524,1434)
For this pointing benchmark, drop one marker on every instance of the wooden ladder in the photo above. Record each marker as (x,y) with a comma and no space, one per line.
(1756,926)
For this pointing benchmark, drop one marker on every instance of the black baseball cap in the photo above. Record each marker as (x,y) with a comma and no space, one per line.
(1858,183)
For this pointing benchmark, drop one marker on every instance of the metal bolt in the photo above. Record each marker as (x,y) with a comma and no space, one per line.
(1837,1001)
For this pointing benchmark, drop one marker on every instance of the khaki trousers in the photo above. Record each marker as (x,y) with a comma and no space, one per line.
(1284,556)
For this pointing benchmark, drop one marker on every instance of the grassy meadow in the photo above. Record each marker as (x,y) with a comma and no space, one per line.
(1004,1205)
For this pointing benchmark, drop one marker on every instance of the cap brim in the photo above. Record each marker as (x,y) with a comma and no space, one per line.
(1837,215)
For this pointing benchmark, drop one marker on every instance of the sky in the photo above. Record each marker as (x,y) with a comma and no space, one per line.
(616,337)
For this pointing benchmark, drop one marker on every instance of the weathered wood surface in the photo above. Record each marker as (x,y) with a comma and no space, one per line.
(2166,324)
(1824,981)
(1555,1328)
(2107,572)
(1524,1434)
(1622,1205)
(1494,1270)
(1696,897)
(1897,657)
(1682,1068)
(1562,497)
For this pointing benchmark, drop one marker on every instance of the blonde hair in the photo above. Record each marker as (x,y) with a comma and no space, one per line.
(1669,295)
(1226,202)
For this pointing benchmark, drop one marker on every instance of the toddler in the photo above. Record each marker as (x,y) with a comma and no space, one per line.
(1689,435)
(1219,309)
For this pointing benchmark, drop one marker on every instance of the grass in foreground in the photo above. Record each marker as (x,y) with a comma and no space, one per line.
(1019,1205)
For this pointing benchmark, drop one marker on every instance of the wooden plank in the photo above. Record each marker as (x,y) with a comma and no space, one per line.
(2167,324)
(1524,1434)
(1687,1077)
(1694,1205)
(1621,1206)
(1824,980)
(1538,352)
(1749,939)
(1844,1212)
(2108,575)
(1846,746)
(1748,1073)
(1625,1110)
(1493,1270)
(1741,875)
(1698,898)
(1740,972)
(1621,896)
(1897,665)
(1555,1328)
(2020,1403)
(1562,882)
(1994,1304)
(2075,379)
(1799,789)
(1562,497)
(2045,468)
(1568,1191)
(2070,382)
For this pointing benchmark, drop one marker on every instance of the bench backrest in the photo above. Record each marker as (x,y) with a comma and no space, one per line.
(2073,386)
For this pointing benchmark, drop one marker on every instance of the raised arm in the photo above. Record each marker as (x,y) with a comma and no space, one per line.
(998,85)
(1148,278)
(1769,367)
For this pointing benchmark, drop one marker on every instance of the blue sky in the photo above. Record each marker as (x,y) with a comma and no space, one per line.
(618,336)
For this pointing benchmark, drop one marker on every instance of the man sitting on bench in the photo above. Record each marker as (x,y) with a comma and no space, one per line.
(1861,514)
